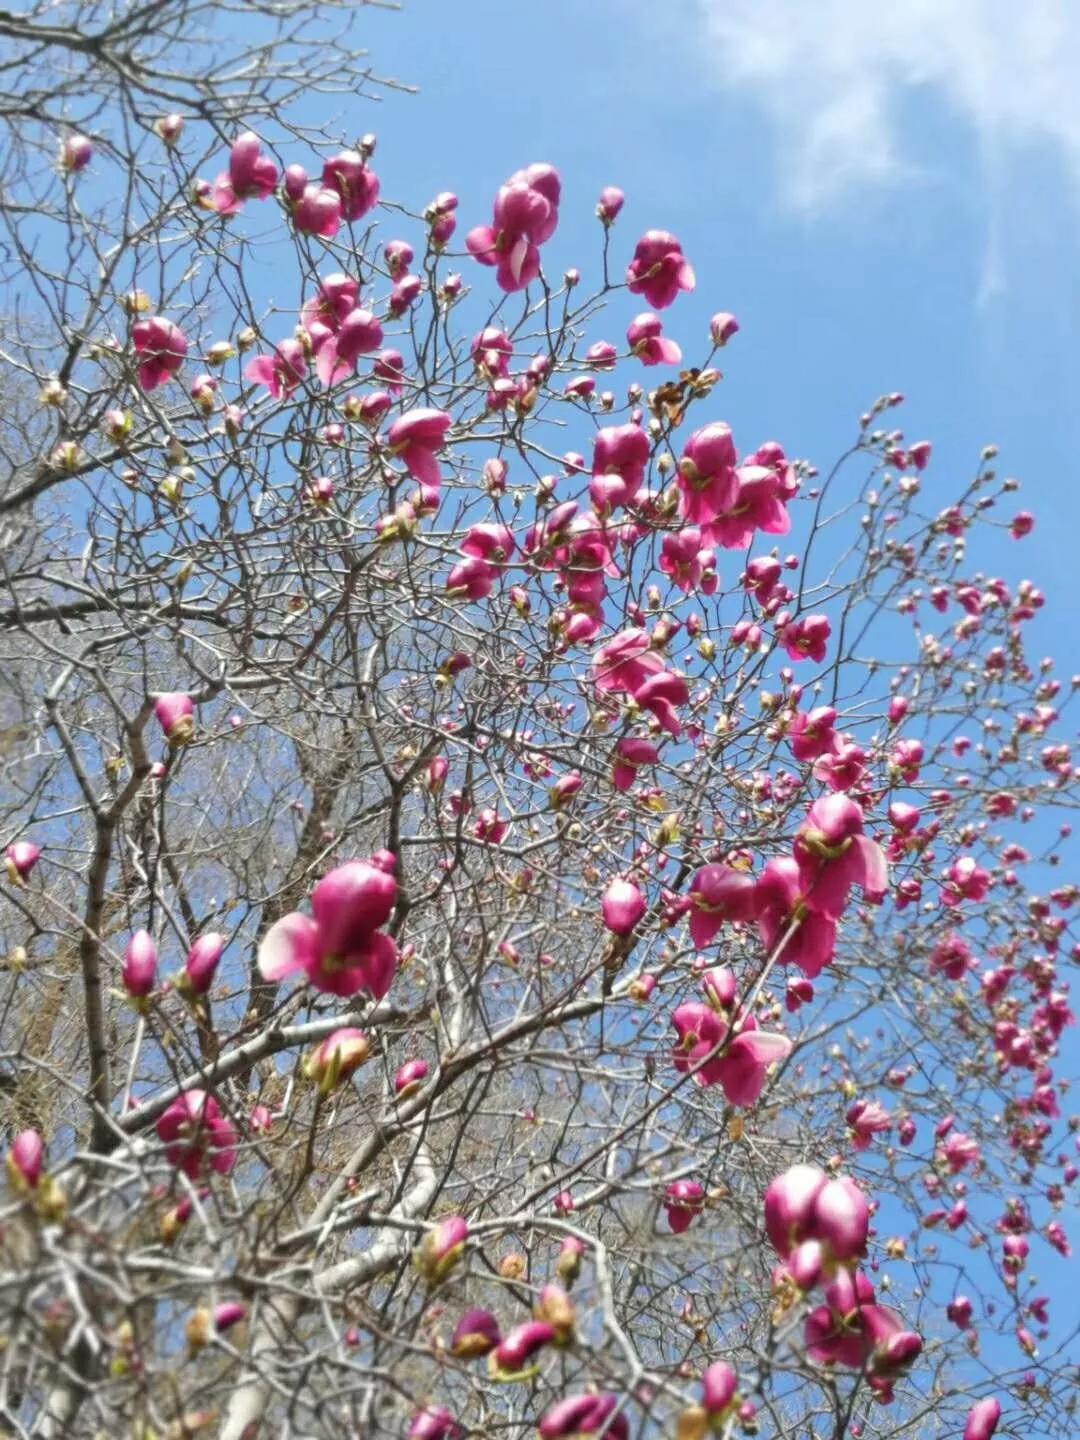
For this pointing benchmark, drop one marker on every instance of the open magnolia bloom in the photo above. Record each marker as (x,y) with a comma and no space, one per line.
(340,947)
(740,1066)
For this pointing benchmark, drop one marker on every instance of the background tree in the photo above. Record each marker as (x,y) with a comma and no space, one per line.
(494,940)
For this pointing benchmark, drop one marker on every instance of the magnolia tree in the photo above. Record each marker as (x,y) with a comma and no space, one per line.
(526,908)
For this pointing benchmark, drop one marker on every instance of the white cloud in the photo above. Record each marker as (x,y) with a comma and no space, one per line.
(838,80)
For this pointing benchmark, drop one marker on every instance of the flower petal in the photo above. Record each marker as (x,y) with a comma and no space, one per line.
(289,946)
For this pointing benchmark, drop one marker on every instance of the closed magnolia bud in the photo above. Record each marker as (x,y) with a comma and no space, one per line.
(53,393)
(514,1352)
(140,965)
(202,962)
(169,128)
(442,1248)
(25,1161)
(67,457)
(410,1077)
(512,1266)
(338,1057)
(20,859)
(199,1330)
(76,152)
(170,489)
(983,1419)
(623,906)
(568,1265)
(229,1314)
(175,714)
(722,327)
(476,1334)
(219,352)
(556,1309)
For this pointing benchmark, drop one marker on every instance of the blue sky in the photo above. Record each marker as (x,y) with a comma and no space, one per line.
(885,202)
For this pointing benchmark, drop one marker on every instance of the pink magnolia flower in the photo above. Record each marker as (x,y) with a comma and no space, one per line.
(415,437)
(280,372)
(517,1348)
(490,827)
(20,859)
(623,906)
(720,988)
(397,256)
(982,1420)
(169,128)
(806,639)
(707,482)
(610,203)
(471,579)
(868,1118)
(389,370)
(434,1422)
(175,713)
(919,454)
(357,186)
(661,693)
(476,1334)
(336,356)
(833,854)
(580,1415)
(630,755)
(720,894)
(526,214)
(251,175)
(966,880)
(648,343)
(960,1151)
(960,1311)
(844,767)
(952,957)
(811,734)
(763,576)
(685,559)
(195,1133)
(804,1205)
(340,950)
(620,454)
(161,348)
(718,1386)
(140,965)
(722,327)
(659,270)
(316,210)
(683,1200)
(851,1330)
(404,295)
(739,1064)
(25,1161)
(811,942)
(491,542)
(492,350)
(624,663)
(757,502)
(228,1314)
(322,314)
